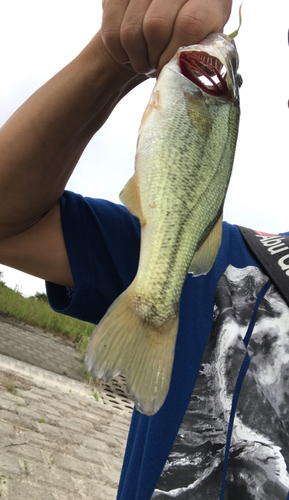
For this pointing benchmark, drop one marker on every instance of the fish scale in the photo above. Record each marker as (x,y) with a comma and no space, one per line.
(184,158)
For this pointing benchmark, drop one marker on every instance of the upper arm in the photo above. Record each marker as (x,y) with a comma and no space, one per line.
(40,250)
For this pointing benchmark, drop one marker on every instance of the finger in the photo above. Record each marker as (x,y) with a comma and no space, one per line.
(132,36)
(110,28)
(158,26)
(195,21)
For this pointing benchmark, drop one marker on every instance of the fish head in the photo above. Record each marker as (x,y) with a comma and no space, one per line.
(212,65)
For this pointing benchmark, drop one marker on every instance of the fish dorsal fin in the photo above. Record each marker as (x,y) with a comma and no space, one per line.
(154,104)
(130,197)
(205,256)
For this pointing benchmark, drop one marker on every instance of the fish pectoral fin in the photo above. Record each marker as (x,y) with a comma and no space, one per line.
(124,343)
(205,256)
(130,197)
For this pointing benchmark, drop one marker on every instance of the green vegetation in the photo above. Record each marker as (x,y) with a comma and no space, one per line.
(36,311)
(41,296)
(10,387)
(3,480)
(26,467)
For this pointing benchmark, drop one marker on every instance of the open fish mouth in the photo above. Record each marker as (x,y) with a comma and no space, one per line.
(205,71)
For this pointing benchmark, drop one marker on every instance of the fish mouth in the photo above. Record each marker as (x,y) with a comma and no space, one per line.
(205,71)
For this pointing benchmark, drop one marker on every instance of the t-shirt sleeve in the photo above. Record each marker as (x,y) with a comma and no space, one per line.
(102,241)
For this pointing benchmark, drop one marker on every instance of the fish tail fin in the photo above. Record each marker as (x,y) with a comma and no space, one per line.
(124,343)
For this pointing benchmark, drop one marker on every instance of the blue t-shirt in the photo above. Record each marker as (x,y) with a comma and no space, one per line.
(103,241)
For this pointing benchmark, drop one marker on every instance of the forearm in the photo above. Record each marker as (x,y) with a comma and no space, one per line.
(42,142)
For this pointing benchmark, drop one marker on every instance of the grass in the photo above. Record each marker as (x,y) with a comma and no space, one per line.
(35,311)
(10,387)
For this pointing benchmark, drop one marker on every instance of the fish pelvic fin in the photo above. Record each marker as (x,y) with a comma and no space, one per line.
(124,343)
(205,256)
(130,197)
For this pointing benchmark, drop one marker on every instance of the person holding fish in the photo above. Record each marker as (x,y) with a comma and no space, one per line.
(175,307)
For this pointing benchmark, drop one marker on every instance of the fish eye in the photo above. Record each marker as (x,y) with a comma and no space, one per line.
(239,80)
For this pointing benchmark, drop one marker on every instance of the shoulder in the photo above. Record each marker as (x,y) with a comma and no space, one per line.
(102,241)
(96,212)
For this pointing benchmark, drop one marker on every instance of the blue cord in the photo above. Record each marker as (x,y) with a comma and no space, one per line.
(238,387)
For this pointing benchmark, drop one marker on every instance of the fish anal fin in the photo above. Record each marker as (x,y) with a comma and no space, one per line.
(124,343)
(130,197)
(205,256)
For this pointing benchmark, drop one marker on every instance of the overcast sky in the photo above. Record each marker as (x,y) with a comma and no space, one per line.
(37,38)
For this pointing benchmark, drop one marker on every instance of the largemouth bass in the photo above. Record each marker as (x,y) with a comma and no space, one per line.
(184,158)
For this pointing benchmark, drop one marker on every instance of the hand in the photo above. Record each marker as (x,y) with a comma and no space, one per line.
(147,33)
